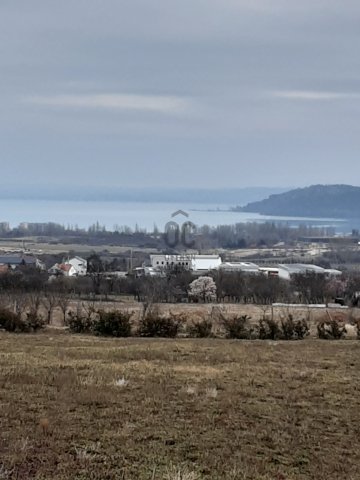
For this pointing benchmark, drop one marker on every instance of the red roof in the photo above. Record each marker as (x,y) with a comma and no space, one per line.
(4,268)
(65,266)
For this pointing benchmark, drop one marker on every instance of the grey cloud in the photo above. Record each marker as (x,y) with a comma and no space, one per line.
(145,103)
(238,91)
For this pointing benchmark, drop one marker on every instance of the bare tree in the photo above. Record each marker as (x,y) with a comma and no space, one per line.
(19,302)
(50,302)
(64,303)
(96,269)
(34,302)
(89,309)
(5,300)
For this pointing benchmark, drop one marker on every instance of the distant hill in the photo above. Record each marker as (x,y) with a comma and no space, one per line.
(331,201)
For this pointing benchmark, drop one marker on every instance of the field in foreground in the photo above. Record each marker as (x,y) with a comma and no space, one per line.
(77,407)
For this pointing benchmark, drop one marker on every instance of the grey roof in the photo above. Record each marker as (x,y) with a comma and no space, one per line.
(17,260)
(240,266)
(301,268)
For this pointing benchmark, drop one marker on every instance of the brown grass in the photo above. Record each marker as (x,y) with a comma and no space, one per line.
(78,407)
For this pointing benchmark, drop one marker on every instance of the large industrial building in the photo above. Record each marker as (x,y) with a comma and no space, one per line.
(204,263)
(195,263)
(287,270)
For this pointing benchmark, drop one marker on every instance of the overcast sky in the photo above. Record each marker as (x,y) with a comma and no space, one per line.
(208,93)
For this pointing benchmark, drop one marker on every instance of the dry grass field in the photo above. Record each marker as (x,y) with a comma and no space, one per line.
(78,407)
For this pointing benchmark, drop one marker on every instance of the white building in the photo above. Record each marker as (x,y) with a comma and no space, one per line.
(287,270)
(269,271)
(74,267)
(206,262)
(242,267)
(80,265)
(64,269)
(196,263)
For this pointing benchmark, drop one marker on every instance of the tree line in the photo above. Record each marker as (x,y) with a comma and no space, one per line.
(238,235)
(182,286)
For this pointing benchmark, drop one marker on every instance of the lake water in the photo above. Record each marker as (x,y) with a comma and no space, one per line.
(142,214)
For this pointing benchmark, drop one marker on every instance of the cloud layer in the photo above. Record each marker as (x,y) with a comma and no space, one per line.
(316,96)
(145,103)
(195,93)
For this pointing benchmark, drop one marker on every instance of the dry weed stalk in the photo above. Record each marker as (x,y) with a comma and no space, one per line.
(121,382)
(4,473)
(44,425)
(180,473)
(191,390)
(211,392)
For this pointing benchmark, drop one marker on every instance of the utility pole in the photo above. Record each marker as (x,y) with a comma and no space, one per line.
(131,260)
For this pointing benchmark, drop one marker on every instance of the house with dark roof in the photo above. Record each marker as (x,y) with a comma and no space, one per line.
(14,261)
